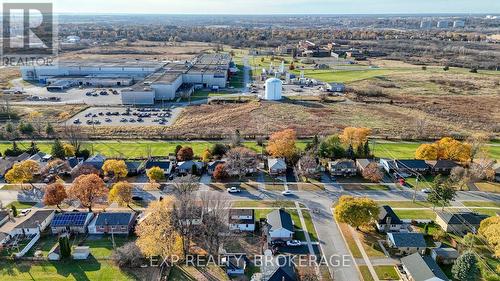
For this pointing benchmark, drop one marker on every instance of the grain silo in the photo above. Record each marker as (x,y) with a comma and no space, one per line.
(273,89)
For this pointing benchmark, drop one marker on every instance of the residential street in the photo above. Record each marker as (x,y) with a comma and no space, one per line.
(319,202)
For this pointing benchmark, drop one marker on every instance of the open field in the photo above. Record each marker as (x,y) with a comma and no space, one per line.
(488,186)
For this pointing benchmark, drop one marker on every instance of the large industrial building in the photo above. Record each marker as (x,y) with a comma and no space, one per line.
(145,82)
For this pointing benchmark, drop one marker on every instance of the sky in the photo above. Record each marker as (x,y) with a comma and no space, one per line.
(274,6)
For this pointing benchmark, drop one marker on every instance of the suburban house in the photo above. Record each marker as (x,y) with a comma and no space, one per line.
(335,87)
(41,158)
(444,255)
(280,225)
(406,242)
(422,268)
(443,167)
(97,161)
(212,165)
(80,253)
(134,168)
(164,165)
(388,221)
(342,167)
(7,163)
(4,217)
(35,224)
(236,265)
(405,167)
(72,222)
(361,164)
(74,163)
(281,268)
(311,170)
(186,167)
(116,223)
(463,222)
(242,219)
(276,166)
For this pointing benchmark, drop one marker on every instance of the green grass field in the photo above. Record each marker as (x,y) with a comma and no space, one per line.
(62,271)
(345,76)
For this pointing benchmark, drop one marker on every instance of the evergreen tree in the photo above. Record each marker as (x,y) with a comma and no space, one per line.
(33,149)
(9,128)
(366,149)
(350,152)
(194,170)
(14,210)
(465,267)
(64,247)
(49,130)
(426,228)
(177,148)
(14,151)
(360,152)
(58,150)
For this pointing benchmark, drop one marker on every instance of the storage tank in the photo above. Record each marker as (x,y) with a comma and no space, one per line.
(273,89)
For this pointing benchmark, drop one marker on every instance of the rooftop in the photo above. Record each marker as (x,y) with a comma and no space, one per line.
(280,219)
(423,268)
(35,219)
(410,239)
(71,219)
(114,218)
(460,218)
(387,212)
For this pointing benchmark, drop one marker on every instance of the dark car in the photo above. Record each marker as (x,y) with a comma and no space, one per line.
(137,198)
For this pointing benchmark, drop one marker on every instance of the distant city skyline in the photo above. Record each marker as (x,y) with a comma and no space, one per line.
(276,6)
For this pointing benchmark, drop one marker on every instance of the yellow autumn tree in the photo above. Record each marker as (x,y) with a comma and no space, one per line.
(121,193)
(22,172)
(206,155)
(115,168)
(156,234)
(490,229)
(444,149)
(282,144)
(69,150)
(356,211)
(355,136)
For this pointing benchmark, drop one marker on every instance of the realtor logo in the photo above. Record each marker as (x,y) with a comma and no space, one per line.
(28,34)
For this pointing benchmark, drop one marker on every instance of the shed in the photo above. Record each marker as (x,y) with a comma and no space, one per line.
(444,255)
(81,253)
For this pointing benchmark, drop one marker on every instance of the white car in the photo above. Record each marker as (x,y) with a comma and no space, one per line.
(293,243)
(286,193)
(426,190)
(233,189)
(25,212)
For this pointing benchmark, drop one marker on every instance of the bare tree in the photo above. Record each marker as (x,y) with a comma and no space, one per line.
(215,226)
(478,146)
(240,161)
(186,185)
(74,135)
(186,214)
(128,255)
(307,166)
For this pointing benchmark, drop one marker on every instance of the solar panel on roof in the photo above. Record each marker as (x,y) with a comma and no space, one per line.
(69,219)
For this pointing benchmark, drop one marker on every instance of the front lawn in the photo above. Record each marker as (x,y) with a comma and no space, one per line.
(406,204)
(481,204)
(90,269)
(416,214)
(21,205)
(356,253)
(365,273)
(488,186)
(386,272)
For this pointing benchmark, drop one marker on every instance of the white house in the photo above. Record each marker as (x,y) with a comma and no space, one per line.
(276,166)
(280,225)
(35,224)
(242,219)
(388,221)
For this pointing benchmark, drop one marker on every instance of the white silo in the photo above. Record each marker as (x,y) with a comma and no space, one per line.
(273,89)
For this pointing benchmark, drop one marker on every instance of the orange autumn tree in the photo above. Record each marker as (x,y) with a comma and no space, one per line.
(355,136)
(89,189)
(282,144)
(54,194)
(444,149)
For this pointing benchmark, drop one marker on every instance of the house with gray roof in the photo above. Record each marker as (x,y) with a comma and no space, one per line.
(97,161)
(422,268)
(276,166)
(34,224)
(186,167)
(388,221)
(279,225)
(442,167)
(406,243)
(165,165)
(444,255)
(116,223)
(281,268)
(362,163)
(461,222)
(342,167)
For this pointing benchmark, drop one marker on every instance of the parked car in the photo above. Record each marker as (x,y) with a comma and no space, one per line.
(25,212)
(233,189)
(278,243)
(137,198)
(286,193)
(293,243)
(77,121)
(426,190)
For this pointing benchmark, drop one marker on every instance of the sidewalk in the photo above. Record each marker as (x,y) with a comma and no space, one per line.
(304,228)
(363,253)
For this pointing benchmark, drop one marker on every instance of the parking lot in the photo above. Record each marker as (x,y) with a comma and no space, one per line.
(126,116)
(91,96)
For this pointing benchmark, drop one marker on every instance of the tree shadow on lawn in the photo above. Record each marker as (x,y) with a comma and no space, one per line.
(77,268)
